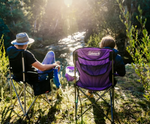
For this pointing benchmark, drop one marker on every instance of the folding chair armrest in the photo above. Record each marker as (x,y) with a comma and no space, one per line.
(32,72)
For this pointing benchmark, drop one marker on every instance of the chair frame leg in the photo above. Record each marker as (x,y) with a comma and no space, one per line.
(25,98)
(100,96)
(18,97)
(31,104)
(24,86)
(19,94)
(112,104)
(47,98)
(76,102)
(77,97)
(11,90)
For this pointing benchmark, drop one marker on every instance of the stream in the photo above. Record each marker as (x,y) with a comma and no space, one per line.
(63,49)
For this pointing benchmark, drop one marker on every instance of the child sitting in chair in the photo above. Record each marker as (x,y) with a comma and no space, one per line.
(108,42)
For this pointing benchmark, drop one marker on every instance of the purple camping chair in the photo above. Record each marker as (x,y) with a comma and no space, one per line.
(96,73)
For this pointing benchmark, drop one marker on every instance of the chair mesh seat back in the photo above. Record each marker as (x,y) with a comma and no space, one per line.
(17,70)
(94,66)
(16,67)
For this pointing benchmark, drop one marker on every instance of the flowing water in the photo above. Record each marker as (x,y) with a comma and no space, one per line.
(68,45)
(63,49)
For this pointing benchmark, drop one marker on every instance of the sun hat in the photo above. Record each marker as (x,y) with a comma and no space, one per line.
(22,39)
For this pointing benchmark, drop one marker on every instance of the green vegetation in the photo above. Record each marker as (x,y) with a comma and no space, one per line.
(139,49)
(50,20)
(55,19)
(130,105)
(3,64)
(94,40)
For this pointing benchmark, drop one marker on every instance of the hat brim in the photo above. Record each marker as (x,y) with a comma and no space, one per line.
(14,42)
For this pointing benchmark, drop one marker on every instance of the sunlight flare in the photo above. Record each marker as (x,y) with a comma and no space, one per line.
(68,2)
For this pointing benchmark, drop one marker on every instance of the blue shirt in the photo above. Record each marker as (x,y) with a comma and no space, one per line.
(119,64)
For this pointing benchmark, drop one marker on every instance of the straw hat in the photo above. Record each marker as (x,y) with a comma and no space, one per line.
(22,39)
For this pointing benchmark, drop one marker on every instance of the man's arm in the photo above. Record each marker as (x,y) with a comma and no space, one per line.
(44,67)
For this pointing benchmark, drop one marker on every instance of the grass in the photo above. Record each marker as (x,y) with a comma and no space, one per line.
(130,105)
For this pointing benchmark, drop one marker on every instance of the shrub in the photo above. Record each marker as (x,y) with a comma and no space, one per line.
(94,40)
(139,48)
(3,63)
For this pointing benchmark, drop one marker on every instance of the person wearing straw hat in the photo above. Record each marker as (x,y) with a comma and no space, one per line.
(31,64)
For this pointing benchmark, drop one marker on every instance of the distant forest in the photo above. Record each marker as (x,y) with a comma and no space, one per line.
(55,19)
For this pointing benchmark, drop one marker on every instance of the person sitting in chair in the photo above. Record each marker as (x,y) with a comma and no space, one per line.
(31,63)
(108,42)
